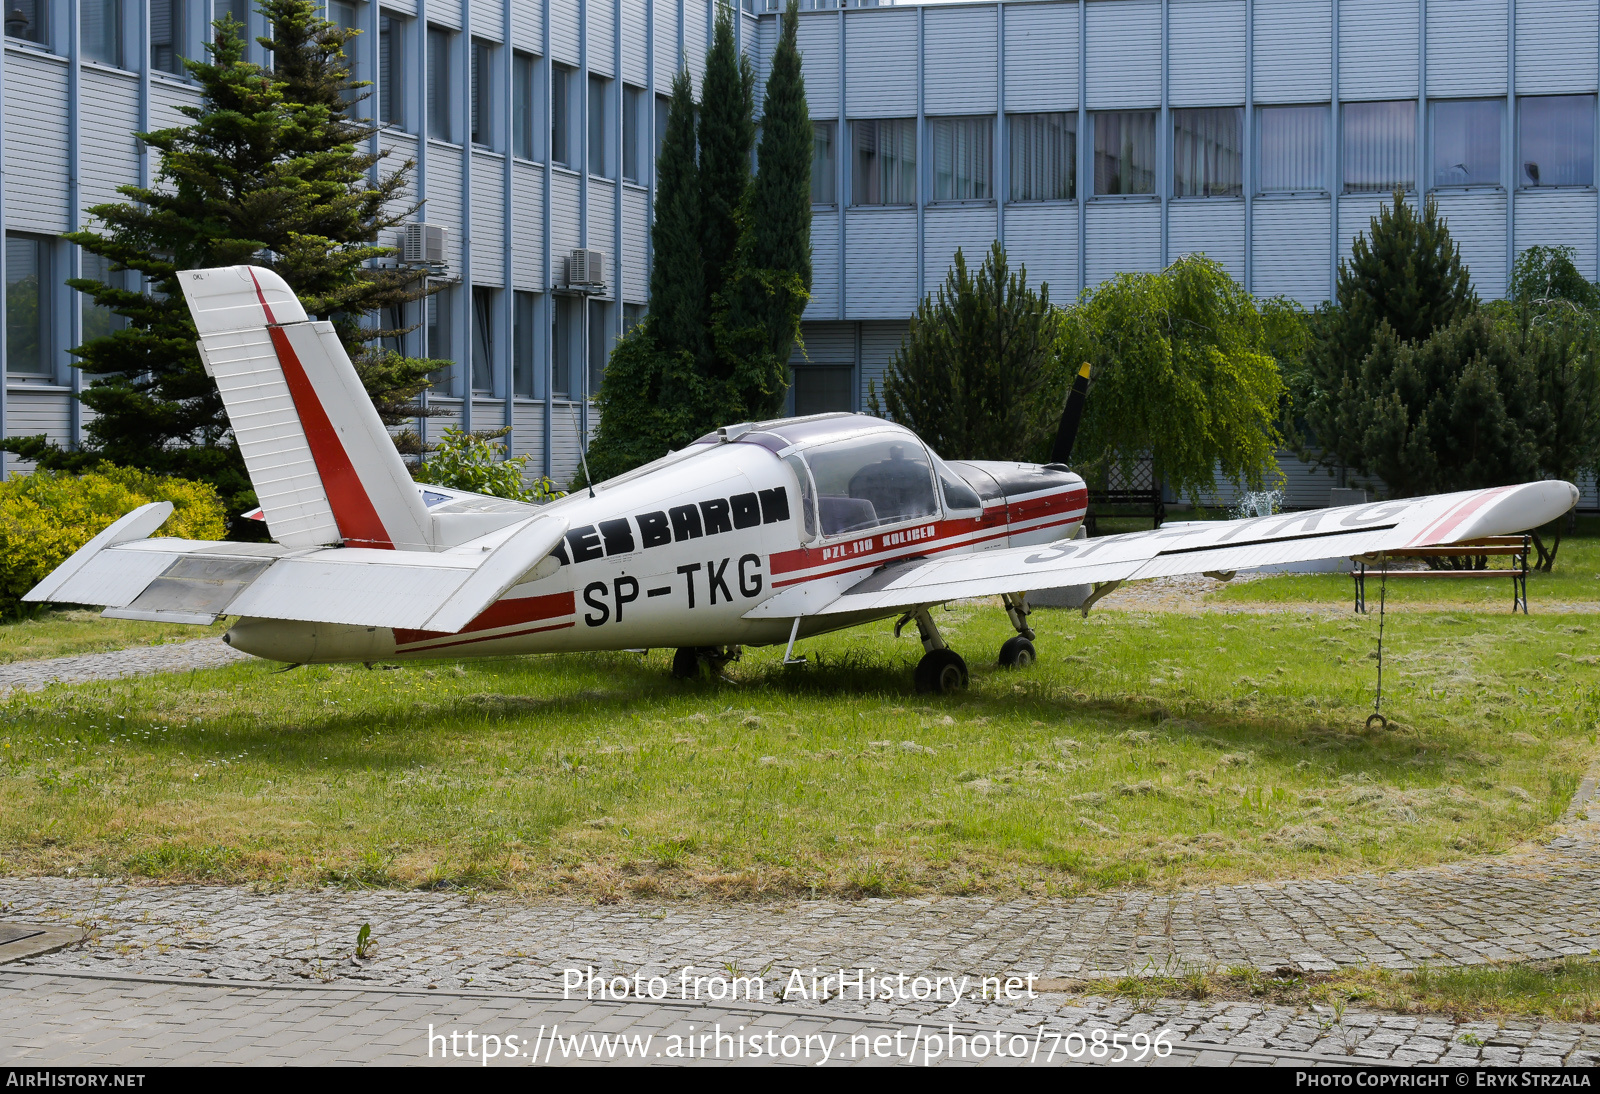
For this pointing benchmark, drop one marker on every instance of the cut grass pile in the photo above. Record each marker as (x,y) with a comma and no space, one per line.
(1567,990)
(67,632)
(1140,750)
(1575,578)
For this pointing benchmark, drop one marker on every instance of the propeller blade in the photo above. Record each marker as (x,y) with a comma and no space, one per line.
(1070,417)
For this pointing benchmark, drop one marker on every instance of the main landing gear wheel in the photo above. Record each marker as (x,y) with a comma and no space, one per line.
(941,671)
(1017,653)
(688,661)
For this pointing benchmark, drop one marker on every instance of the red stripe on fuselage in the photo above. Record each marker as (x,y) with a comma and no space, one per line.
(502,613)
(359,523)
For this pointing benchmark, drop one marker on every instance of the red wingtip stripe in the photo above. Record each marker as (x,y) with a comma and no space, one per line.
(358,520)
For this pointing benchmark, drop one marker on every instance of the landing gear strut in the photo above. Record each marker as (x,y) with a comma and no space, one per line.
(1018,652)
(941,668)
(692,662)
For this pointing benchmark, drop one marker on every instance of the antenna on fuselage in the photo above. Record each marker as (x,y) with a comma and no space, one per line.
(583,460)
(1071,415)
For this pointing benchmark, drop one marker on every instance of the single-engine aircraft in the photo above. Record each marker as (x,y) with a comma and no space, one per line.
(757,534)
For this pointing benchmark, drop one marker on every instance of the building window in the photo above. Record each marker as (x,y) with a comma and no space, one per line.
(482,93)
(663,106)
(599,128)
(632,316)
(602,333)
(439,345)
(963,158)
(482,339)
(167,35)
(1466,142)
(28,305)
(28,20)
(1044,156)
(821,389)
(1125,152)
(440,120)
(565,334)
(561,104)
(1291,148)
(633,165)
(237,10)
(1208,152)
(824,168)
(1555,139)
(522,100)
(101,28)
(1380,147)
(391,69)
(524,309)
(886,161)
(100,321)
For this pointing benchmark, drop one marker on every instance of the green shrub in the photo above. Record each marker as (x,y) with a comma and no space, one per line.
(46,516)
(473,461)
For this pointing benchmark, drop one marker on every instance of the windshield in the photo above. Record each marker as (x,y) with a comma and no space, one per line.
(870,481)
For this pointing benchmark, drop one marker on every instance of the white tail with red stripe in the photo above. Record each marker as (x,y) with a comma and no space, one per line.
(323,465)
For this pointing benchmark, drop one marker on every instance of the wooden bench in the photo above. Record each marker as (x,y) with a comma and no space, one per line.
(1515,547)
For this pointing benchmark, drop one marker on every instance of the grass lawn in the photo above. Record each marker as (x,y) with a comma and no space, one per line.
(1575,578)
(1141,749)
(65,632)
(1567,990)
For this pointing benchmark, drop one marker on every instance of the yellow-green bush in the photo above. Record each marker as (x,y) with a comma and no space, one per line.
(44,517)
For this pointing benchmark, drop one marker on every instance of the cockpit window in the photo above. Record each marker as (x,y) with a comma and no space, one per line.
(957,493)
(865,482)
(808,499)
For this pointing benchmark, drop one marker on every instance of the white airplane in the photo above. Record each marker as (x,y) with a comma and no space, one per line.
(754,535)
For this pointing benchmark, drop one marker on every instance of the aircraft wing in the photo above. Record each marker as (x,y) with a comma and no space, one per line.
(1213,546)
(197,581)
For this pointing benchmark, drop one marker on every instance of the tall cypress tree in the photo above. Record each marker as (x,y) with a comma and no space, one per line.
(677,317)
(771,282)
(727,136)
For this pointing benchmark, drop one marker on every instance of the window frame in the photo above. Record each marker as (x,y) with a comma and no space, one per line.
(438,318)
(563,148)
(525,345)
(438,111)
(1096,117)
(482,351)
(482,118)
(118,22)
(911,171)
(634,170)
(1238,188)
(1012,144)
(393,33)
(1521,152)
(931,157)
(1258,158)
(1406,157)
(599,127)
(831,127)
(179,41)
(47,24)
(45,306)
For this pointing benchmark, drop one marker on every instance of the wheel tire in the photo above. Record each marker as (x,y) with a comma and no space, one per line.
(1017,653)
(687,662)
(941,671)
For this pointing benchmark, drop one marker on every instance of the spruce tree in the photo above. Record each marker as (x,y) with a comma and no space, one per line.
(977,360)
(266,172)
(727,136)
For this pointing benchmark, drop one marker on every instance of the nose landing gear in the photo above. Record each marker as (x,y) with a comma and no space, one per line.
(1018,652)
(691,662)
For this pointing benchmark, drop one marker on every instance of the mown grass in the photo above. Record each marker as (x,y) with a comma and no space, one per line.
(1141,750)
(1575,577)
(66,632)
(1566,990)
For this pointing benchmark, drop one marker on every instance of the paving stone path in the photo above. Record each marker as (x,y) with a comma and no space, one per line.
(202,653)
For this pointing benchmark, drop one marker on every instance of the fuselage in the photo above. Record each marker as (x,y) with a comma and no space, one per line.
(683,552)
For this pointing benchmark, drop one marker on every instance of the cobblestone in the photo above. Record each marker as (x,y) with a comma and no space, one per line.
(202,653)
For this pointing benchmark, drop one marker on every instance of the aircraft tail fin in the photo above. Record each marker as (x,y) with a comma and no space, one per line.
(322,463)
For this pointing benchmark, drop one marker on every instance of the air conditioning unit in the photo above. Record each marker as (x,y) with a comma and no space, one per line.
(422,244)
(586,268)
